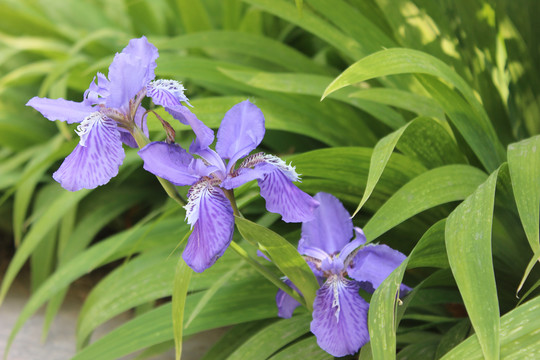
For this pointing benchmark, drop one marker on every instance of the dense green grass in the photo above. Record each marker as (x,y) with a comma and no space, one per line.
(428,127)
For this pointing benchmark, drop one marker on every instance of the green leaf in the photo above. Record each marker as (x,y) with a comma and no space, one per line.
(379,159)
(519,336)
(419,104)
(272,338)
(303,349)
(284,255)
(179,294)
(244,44)
(429,252)
(434,187)
(453,337)
(194,15)
(243,301)
(343,171)
(468,244)
(524,166)
(474,123)
(57,209)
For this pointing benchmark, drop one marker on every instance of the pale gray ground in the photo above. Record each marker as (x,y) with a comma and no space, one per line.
(60,344)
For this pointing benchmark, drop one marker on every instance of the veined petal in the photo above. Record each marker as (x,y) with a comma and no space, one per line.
(285,302)
(241,130)
(96,158)
(373,264)
(170,162)
(166,92)
(340,317)
(331,227)
(211,213)
(60,109)
(204,135)
(130,72)
(244,175)
(284,198)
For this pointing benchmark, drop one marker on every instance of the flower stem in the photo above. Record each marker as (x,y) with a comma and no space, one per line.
(266,273)
(263,270)
(169,188)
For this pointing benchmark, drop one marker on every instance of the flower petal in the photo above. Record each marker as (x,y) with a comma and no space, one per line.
(241,130)
(166,92)
(285,302)
(60,109)
(130,72)
(331,228)
(284,198)
(170,162)
(373,264)
(211,212)
(340,317)
(204,135)
(96,158)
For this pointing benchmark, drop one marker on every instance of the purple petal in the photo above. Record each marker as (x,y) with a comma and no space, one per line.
(241,130)
(331,228)
(244,175)
(373,264)
(97,91)
(170,162)
(96,158)
(284,198)
(285,302)
(213,228)
(60,109)
(166,93)
(130,72)
(204,135)
(340,317)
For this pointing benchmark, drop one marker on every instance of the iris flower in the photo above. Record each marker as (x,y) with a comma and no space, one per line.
(339,312)
(214,174)
(108,114)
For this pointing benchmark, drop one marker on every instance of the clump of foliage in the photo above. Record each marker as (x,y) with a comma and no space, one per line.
(428,128)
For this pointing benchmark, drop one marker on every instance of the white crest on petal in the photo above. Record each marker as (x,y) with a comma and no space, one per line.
(87,124)
(335,283)
(194,199)
(173,87)
(288,170)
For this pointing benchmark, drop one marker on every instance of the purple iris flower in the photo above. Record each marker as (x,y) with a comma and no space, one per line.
(339,312)
(213,176)
(108,113)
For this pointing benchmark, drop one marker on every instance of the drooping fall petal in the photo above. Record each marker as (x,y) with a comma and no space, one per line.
(95,160)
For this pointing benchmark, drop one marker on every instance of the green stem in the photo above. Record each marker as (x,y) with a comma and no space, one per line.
(267,273)
(260,268)
(169,188)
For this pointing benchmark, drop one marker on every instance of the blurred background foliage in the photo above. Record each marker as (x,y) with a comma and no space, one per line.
(442,127)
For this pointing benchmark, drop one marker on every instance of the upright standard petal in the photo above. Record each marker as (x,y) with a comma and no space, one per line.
(331,228)
(213,230)
(340,317)
(170,162)
(373,264)
(60,109)
(130,72)
(241,130)
(284,198)
(96,158)
(204,135)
